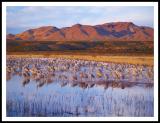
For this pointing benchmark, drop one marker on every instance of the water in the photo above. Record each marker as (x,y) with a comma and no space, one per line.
(53,99)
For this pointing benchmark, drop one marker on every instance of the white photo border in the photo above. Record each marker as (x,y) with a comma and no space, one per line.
(4,6)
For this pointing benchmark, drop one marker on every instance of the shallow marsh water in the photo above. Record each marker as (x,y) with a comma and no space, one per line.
(73,100)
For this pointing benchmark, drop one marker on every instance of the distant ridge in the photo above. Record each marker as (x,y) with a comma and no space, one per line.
(118,31)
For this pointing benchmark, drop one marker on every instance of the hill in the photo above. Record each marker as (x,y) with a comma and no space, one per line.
(116,31)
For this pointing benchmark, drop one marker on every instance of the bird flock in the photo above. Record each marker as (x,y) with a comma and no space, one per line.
(86,99)
(84,74)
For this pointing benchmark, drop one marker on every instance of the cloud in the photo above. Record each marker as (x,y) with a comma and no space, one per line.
(61,16)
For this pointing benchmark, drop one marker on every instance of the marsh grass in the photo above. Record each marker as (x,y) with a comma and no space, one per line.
(139,60)
(109,103)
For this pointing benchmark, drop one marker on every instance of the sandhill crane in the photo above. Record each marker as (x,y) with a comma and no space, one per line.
(47,69)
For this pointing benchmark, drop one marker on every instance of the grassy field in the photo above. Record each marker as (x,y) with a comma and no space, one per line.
(140,60)
(132,52)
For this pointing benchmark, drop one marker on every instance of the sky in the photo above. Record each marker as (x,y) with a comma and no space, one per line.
(21,18)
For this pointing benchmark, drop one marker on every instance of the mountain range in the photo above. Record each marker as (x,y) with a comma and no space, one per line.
(114,31)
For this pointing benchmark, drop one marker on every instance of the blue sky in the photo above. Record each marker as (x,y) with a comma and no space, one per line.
(20,18)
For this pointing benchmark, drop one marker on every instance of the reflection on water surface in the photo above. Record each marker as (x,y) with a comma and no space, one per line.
(60,87)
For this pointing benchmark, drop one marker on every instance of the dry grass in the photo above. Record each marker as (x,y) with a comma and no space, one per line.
(140,60)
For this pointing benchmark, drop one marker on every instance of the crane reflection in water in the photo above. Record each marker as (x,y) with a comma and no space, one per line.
(65,87)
